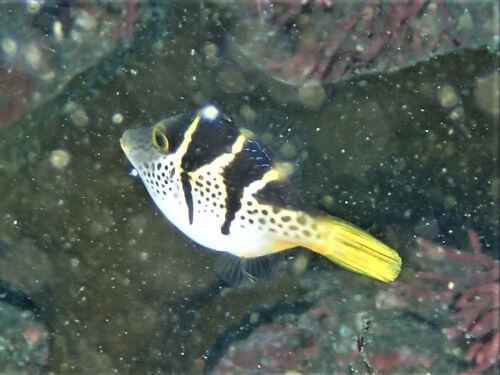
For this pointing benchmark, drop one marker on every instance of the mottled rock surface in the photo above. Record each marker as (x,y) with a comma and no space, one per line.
(125,291)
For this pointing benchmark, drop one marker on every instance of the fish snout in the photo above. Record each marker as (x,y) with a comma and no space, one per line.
(125,142)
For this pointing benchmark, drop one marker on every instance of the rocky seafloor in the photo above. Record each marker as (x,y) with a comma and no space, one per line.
(406,154)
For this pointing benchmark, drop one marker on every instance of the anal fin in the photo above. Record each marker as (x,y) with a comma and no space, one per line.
(236,270)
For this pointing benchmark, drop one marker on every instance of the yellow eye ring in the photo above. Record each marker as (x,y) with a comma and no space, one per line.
(159,139)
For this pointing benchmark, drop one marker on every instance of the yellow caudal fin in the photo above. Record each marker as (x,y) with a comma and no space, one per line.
(356,250)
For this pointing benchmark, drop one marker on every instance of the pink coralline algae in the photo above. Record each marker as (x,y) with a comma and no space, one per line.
(325,40)
(472,290)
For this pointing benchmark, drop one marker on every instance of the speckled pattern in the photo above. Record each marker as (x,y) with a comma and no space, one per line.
(155,176)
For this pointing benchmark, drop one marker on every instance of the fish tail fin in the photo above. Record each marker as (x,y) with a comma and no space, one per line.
(355,249)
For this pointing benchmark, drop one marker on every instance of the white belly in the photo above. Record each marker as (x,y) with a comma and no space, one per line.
(208,219)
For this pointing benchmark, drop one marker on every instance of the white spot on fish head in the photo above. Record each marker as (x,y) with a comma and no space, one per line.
(210,112)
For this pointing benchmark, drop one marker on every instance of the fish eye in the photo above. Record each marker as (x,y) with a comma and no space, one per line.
(160,140)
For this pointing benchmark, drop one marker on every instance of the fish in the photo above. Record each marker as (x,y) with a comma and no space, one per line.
(221,186)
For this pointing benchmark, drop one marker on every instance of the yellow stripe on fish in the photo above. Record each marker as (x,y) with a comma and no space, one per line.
(220,185)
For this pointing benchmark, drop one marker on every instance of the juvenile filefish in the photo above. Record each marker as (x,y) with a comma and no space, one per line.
(221,186)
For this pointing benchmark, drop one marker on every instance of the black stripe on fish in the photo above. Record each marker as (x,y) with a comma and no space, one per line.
(248,165)
(188,196)
(212,138)
(175,128)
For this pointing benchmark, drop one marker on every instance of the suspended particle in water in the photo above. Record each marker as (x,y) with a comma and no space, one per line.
(33,6)
(9,46)
(60,159)
(79,116)
(117,118)
(57,29)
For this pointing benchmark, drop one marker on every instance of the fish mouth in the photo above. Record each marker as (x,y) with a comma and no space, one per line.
(125,142)
(136,145)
